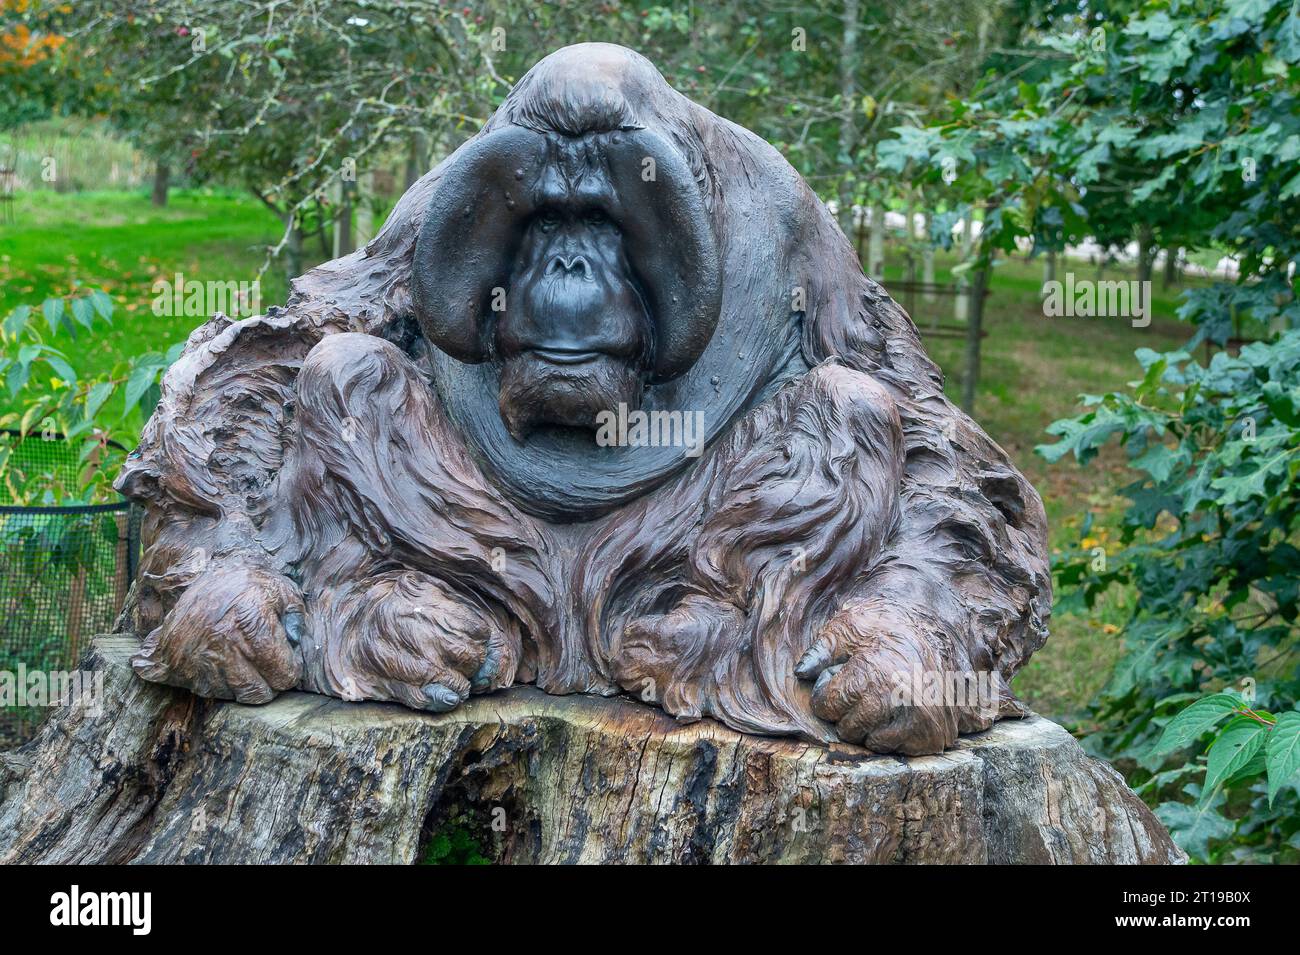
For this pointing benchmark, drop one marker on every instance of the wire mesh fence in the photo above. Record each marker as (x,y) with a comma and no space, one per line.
(64,576)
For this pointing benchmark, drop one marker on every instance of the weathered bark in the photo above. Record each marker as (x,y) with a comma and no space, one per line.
(162,776)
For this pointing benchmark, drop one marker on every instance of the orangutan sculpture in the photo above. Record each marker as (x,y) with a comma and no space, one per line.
(607,406)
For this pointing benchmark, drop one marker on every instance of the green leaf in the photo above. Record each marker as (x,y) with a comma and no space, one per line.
(17,321)
(1236,746)
(31,416)
(1283,754)
(84,313)
(102,304)
(61,368)
(138,382)
(16,377)
(53,310)
(96,396)
(1194,827)
(1199,718)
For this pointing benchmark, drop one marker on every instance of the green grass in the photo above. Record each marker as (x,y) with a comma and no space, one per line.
(119,242)
(1033,367)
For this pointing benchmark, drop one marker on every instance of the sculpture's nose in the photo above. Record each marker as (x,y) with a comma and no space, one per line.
(575,265)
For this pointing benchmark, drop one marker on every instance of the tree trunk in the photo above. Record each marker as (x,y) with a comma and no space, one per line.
(1172,272)
(927,258)
(161,776)
(343,192)
(414,159)
(363,217)
(1049,267)
(961,301)
(876,243)
(849,64)
(162,176)
(974,334)
(293,253)
(1146,253)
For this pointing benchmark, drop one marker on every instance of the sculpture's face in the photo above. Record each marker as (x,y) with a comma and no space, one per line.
(568,265)
(578,339)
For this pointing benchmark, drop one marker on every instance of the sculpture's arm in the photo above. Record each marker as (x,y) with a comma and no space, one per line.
(927,645)
(218,613)
(962,592)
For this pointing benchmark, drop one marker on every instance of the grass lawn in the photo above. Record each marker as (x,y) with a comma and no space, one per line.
(119,242)
(1033,367)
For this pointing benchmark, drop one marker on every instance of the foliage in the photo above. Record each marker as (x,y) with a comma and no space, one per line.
(27,61)
(289,99)
(1175,120)
(92,414)
(1194,103)
(454,845)
(1209,542)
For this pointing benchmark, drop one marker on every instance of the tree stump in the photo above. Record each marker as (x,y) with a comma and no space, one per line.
(160,776)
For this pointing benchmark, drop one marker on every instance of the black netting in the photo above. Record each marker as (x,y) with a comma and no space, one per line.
(64,575)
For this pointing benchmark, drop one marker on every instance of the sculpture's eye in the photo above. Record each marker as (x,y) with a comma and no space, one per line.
(549,220)
(595,217)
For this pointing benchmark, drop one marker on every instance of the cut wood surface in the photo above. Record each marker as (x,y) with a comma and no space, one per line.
(159,775)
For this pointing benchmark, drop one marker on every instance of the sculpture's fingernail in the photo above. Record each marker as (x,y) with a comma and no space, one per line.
(441,698)
(813,662)
(483,677)
(293,626)
(827,675)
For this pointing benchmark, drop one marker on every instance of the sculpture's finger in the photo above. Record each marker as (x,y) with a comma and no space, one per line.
(458,651)
(488,671)
(833,695)
(836,642)
(914,731)
(294,626)
(440,697)
(245,681)
(863,718)
(815,660)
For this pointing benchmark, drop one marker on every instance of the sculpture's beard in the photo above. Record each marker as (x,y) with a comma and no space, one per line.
(536,392)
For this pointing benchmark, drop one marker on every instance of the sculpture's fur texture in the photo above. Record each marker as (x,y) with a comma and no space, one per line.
(318,515)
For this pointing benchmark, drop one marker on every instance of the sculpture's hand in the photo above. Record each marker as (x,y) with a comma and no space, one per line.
(406,638)
(874,682)
(232,634)
(660,657)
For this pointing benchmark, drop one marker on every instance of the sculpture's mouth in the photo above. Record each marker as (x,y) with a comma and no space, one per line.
(565,356)
(565,386)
